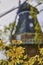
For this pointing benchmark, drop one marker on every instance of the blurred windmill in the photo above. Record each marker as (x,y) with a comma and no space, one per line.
(23,23)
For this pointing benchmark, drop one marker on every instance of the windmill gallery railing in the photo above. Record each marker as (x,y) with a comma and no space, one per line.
(29,38)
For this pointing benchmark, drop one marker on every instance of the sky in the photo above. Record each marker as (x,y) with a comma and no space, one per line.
(6,5)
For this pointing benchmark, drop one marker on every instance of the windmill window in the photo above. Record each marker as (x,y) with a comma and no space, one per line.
(18,37)
(31,24)
(30,17)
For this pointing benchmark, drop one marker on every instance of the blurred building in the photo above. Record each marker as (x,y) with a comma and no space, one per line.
(25,26)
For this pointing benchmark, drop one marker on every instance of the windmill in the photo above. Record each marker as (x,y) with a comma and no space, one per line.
(23,26)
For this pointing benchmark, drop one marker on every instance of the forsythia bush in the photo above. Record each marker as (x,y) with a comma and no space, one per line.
(17,56)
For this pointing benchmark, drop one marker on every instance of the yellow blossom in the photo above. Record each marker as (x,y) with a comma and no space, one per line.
(14,41)
(25,57)
(19,42)
(41,51)
(25,63)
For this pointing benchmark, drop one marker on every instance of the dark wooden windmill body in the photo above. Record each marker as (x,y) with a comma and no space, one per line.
(25,25)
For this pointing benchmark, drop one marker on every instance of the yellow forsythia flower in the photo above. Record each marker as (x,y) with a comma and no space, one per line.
(14,41)
(25,57)
(25,63)
(41,51)
(19,42)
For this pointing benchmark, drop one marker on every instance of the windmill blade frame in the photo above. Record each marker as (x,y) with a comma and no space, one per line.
(8,12)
